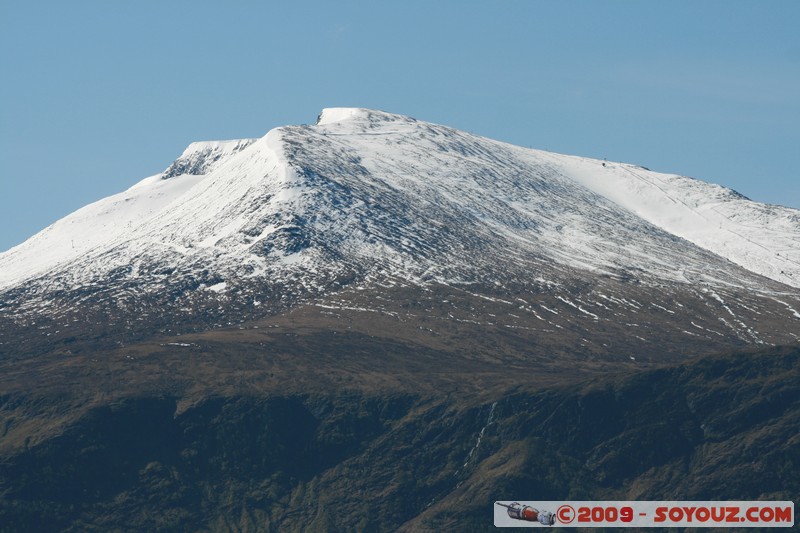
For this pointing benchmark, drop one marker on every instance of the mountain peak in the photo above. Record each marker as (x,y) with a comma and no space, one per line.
(201,157)
(335,115)
(367,191)
(369,199)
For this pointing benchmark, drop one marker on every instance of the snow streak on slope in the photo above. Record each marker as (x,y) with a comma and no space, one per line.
(110,220)
(114,219)
(761,238)
(527,197)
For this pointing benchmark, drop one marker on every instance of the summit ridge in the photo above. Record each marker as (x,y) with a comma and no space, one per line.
(367,198)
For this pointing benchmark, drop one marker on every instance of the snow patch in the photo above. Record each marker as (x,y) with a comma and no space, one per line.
(331,115)
(218,287)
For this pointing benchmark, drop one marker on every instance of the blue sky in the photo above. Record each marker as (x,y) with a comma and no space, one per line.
(96,95)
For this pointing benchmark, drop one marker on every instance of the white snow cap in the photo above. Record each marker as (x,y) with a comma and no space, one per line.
(333,115)
(375,188)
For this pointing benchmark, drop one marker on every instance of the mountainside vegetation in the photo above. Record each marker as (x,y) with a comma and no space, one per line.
(424,458)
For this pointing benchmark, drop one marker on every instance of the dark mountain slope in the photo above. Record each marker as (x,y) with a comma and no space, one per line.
(356,459)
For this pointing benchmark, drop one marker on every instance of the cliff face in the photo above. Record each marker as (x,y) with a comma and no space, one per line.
(714,428)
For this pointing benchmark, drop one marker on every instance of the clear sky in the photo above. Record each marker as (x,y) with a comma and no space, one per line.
(96,95)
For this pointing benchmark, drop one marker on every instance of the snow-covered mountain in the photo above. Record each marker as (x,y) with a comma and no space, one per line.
(367,197)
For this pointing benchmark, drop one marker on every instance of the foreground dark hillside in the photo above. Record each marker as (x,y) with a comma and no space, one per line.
(387,456)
